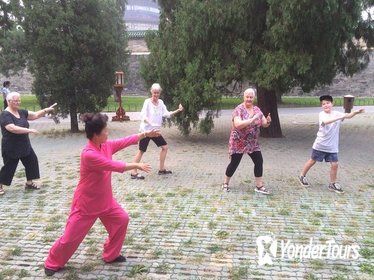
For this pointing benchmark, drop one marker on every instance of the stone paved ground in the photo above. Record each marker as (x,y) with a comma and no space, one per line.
(183,226)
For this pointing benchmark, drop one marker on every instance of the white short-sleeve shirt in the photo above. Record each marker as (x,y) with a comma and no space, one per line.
(327,139)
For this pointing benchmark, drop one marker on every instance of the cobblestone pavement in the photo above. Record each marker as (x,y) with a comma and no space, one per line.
(184,227)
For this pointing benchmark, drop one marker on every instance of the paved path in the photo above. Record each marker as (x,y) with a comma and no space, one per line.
(183,226)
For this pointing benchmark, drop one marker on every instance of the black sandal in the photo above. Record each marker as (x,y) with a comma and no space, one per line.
(137,176)
(31,186)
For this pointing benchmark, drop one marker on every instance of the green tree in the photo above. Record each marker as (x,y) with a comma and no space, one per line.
(13,52)
(202,46)
(75,48)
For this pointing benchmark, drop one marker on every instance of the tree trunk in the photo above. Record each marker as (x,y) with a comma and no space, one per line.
(267,101)
(73,119)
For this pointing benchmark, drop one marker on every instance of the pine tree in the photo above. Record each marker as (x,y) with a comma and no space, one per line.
(202,46)
(75,48)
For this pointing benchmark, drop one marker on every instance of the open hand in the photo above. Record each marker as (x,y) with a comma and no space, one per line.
(359,111)
(153,133)
(50,108)
(144,167)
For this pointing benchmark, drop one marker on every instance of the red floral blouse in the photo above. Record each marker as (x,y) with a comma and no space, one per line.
(245,140)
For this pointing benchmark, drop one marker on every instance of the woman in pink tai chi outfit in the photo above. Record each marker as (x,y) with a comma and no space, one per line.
(93,197)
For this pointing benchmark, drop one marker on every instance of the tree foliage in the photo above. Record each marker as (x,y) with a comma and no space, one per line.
(13,51)
(74,49)
(202,46)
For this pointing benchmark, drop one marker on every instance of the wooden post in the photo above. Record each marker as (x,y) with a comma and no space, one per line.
(120,113)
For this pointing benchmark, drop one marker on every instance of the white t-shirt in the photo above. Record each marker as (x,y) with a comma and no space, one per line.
(154,114)
(328,135)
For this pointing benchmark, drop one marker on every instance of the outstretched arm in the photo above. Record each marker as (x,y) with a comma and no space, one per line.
(354,113)
(36,115)
(180,109)
(346,116)
(122,143)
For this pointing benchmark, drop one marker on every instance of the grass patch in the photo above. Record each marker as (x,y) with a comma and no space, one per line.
(284,212)
(135,103)
(310,276)
(367,253)
(23,273)
(317,264)
(7,273)
(214,248)
(163,268)
(240,272)
(222,234)
(367,268)
(87,267)
(137,269)
(16,251)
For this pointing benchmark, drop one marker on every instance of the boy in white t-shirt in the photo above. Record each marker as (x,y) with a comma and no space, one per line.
(326,145)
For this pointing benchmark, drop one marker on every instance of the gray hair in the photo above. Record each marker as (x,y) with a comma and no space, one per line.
(156,86)
(250,90)
(11,95)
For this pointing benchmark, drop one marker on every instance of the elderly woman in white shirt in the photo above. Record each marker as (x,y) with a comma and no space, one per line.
(152,113)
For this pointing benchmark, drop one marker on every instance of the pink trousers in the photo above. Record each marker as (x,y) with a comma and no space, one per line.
(77,227)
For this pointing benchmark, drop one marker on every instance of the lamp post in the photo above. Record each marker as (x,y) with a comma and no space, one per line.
(118,86)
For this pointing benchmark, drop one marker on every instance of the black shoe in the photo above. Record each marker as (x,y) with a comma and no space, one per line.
(119,259)
(137,176)
(303,181)
(335,187)
(164,172)
(49,272)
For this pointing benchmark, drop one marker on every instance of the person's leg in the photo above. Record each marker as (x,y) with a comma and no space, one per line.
(77,227)
(31,164)
(316,156)
(8,170)
(143,144)
(116,223)
(307,166)
(334,171)
(163,152)
(258,167)
(333,185)
(161,143)
(137,159)
(231,168)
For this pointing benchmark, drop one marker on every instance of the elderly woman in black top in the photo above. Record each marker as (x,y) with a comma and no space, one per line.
(15,145)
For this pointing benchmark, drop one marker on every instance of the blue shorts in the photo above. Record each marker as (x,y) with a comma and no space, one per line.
(320,156)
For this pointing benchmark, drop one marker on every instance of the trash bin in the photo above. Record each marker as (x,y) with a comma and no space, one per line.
(348,103)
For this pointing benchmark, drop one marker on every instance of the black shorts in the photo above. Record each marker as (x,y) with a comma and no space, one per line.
(159,141)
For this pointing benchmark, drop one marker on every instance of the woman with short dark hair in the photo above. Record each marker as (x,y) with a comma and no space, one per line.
(93,197)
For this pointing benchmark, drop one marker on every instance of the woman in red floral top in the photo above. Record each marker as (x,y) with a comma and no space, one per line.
(246,122)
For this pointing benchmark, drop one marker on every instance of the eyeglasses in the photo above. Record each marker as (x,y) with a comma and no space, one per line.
(16,101)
